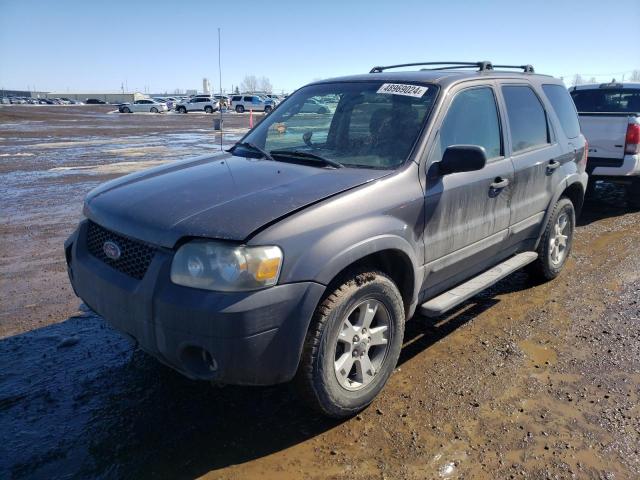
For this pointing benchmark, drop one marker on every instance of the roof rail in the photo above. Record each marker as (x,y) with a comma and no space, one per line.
(482,66)
(525,68)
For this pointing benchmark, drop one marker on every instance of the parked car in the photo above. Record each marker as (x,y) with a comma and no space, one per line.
(146,105)
(301,254)
(5,100)
(313,105)
(198,103)
(242,103)
(94,101)
(276,98)
(610,119)
(223,100)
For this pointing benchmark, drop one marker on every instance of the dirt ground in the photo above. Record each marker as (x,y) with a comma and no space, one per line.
(524,381)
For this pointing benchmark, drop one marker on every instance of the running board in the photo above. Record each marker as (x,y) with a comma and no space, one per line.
(454,297)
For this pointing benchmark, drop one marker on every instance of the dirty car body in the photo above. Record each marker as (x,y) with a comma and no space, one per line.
(383,200)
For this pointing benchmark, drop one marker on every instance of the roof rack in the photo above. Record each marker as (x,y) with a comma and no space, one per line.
(525,68)
(482,66)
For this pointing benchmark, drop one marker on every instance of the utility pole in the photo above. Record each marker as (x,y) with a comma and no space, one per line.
(220,79)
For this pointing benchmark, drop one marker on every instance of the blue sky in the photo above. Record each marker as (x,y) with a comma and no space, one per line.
(94,45)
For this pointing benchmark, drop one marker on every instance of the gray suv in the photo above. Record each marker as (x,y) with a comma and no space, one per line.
(300,254)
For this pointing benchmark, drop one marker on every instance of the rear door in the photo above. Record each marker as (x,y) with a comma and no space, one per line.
(537,158)
(466,214)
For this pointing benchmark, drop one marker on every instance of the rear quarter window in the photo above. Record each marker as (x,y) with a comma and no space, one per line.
(564,108)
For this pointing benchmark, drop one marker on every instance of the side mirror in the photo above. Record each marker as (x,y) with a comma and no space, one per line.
(462,158)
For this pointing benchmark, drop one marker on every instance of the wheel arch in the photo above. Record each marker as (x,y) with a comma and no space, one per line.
(390,255)
(574,190)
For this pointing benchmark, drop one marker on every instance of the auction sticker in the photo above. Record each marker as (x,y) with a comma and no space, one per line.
(402,89)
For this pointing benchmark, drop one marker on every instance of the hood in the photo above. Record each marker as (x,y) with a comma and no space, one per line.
(223,197)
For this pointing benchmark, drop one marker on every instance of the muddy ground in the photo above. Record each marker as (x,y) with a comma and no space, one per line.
(525,381)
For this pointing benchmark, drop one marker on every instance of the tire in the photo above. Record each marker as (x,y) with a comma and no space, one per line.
(154,110)
(322,111)
(545,268)
(317,376)
(181,109)
(208,109)
(126,110)
(239,109)
(633,194)
(267,110)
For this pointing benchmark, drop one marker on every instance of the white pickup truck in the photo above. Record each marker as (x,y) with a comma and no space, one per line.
(609,116)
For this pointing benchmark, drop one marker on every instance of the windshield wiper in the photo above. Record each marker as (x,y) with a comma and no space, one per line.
(306,156)
(252,146)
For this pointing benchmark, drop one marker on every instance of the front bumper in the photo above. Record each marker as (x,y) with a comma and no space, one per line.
(250,338)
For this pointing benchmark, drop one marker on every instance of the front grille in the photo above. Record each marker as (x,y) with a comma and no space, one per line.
(135,256)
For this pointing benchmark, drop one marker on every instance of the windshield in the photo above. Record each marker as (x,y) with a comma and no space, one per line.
(369,124)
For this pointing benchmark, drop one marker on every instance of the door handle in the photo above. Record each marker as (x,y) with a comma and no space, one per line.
(552,165)
(499,183)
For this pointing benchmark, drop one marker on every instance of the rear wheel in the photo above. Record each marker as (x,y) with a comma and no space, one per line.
(267,109)
(126,110)
(239,109)
(208,109)
(353,344)
(633,194)
(556,241)
(181,109)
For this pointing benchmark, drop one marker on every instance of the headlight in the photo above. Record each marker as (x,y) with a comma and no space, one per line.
(223,267)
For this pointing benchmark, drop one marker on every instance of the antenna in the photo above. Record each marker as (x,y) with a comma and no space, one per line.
(220,86)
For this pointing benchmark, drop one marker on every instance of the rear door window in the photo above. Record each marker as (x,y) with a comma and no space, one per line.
(607,100)
(527,118)
(472,119)
(564,108)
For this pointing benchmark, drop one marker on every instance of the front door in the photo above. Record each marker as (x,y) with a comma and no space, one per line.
(467,214)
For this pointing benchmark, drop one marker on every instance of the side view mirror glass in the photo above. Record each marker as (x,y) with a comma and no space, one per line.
(462,158)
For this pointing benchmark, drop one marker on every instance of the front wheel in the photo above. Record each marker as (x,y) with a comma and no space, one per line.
(353,344)
(126,110)
(556,241)
(208,109)
(267,109)
(154,110)
(239,109)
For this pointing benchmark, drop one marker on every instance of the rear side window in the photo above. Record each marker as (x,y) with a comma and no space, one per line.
(564,108)
(607,100)
(248,99)
(472,119)
(527,118)
(236,99)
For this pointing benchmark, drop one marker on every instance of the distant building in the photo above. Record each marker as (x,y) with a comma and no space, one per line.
(191,92)
(22,93)
(206,85)
(109,97)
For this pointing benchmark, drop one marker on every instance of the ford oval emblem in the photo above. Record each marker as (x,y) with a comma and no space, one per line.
(111,250)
